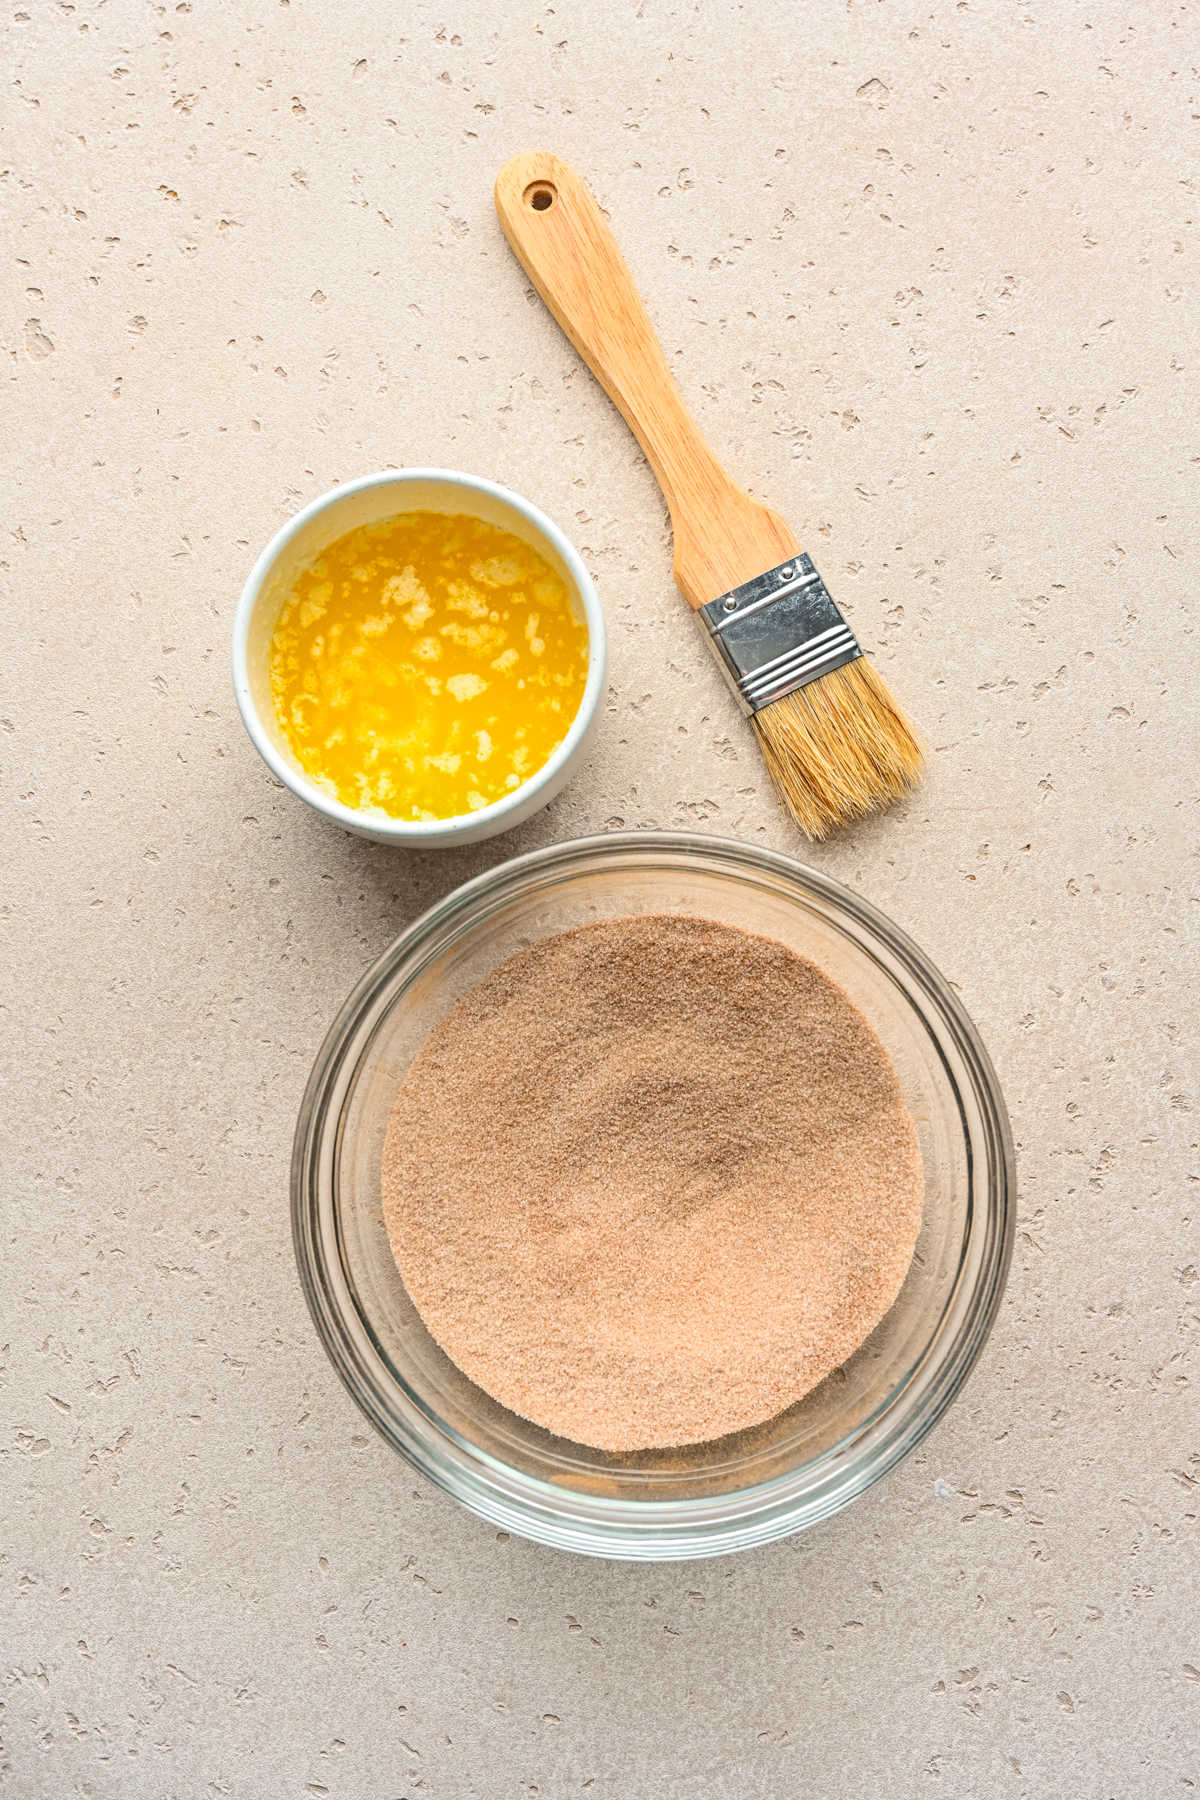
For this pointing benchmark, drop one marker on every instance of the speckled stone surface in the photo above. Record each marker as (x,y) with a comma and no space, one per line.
(928,276)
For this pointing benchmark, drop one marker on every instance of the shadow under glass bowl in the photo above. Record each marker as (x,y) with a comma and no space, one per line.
(736,1491)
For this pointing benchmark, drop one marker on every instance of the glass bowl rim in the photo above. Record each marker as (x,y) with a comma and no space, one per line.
(617,1526)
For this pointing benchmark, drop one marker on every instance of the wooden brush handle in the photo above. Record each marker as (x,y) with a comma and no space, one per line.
(722,536)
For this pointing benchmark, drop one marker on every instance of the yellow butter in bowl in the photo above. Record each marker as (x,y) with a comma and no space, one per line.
(427,665)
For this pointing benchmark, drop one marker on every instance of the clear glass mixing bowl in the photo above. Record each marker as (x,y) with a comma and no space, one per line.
(736,1491)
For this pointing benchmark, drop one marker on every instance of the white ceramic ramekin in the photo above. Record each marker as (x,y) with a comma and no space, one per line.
(364,502)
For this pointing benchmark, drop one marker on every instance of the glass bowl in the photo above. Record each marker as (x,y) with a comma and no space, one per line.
(736,1491)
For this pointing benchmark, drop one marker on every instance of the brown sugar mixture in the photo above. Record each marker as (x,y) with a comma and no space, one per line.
(651,1181)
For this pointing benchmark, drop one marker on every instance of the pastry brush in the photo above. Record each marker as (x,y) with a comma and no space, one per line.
(833,738)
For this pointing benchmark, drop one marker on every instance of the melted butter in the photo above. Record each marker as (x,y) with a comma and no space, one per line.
(426,666)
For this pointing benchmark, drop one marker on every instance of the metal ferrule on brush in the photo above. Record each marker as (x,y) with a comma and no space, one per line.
(777,632)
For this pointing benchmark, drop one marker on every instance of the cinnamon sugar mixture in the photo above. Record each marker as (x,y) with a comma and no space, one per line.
(651,1181)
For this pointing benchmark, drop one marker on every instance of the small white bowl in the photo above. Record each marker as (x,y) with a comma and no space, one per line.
(365,502)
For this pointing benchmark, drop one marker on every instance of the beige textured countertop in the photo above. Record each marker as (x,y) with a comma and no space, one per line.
(928,274)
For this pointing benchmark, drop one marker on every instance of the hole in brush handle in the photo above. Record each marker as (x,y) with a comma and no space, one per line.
(540,195)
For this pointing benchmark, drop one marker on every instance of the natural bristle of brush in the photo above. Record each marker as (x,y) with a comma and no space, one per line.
(838,747)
